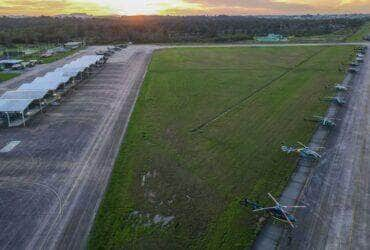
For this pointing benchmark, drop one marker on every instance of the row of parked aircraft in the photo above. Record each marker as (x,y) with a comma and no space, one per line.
(278,211)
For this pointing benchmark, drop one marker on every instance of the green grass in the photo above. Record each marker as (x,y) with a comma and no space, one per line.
(199,176)
(53,58)
(7,76)
(360,34)
(337,36)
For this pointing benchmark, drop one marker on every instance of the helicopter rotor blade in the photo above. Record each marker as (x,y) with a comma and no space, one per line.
(287,218)
(300,143)
(272,197)
(293,206)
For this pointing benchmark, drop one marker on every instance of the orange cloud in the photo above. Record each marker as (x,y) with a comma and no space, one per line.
(50,7)
(182,7)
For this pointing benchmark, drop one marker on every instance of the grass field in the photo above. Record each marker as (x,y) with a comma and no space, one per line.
(7,76)
(359,35)
(205,133)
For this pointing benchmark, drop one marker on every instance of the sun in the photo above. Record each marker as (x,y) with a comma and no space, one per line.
(146,7)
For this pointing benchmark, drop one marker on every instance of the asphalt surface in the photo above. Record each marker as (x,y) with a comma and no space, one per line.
(53,179)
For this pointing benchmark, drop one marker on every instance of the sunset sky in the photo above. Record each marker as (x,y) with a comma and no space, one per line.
(181,7)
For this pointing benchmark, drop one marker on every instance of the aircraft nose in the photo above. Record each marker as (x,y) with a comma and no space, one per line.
(292,219)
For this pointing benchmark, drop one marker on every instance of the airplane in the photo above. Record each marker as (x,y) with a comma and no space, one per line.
(336,100)
(278,211)
(304,151)
(340,87)
(324,121)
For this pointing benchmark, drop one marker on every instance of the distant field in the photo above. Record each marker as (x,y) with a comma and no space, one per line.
(338,36)
(52,58)
(358,36)
(205,133)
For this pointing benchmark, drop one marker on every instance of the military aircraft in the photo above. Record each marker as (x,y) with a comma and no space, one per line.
(360,55)
(324,121)
(304,151)
(278,211)
(359,60)
(337,100)
(340,87)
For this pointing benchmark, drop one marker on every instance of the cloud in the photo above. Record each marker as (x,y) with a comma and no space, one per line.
(50,7)
(182,7)
(280,6)
(245,7)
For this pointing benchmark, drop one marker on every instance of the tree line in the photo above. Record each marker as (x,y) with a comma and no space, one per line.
(163,29)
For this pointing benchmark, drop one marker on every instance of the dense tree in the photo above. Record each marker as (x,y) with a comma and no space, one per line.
(159,29)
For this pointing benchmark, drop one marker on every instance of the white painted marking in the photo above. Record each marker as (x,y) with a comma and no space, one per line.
(9,147)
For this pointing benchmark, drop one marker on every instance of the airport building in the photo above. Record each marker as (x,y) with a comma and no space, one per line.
(271,38)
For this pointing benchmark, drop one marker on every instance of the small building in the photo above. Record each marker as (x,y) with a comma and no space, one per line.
(9,64)
(271,38)
(73,45)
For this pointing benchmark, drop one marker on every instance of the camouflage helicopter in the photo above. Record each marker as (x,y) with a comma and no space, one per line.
(337,100)
(323,121)
(355,70)
(354,64)
(278,211)
(304,151)
(340,87)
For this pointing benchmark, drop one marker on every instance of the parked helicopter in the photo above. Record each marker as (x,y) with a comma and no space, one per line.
(355,70)
(324,121)
(304,151)
(354,64)
(341,87)
(278,211)
(337,100)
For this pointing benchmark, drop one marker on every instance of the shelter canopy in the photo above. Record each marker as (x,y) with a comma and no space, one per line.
(14,105)
(25,94)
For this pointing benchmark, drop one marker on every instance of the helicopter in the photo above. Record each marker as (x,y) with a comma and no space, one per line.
(340,87)
(337,100)
(355,70)
(323,121)
(354,64)
(278,211)
(304,151)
